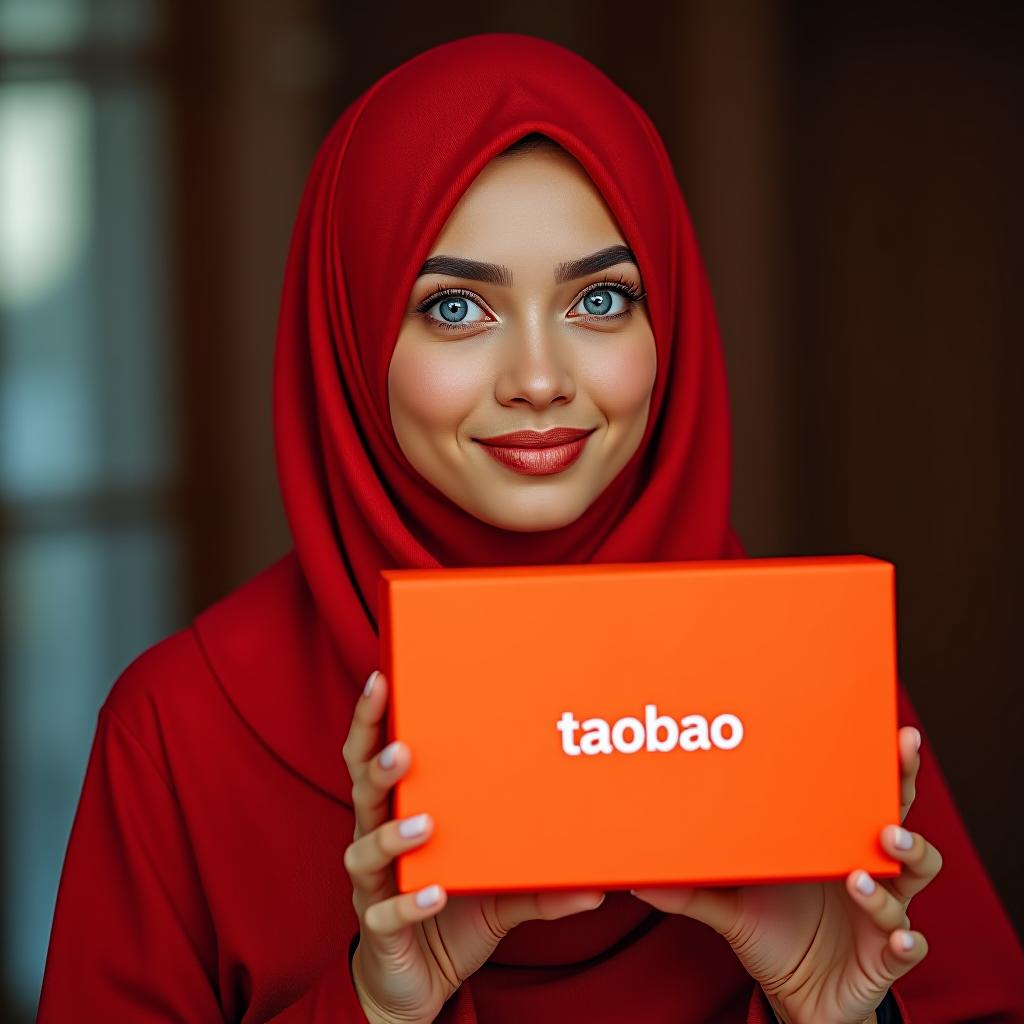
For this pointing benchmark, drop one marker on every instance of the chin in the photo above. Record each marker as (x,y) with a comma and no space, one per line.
(529,521)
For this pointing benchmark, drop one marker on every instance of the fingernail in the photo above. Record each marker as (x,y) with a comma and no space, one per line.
(429,896)
(901,838)
(917,738)
(906,941)
(865,884)
(387,755)
(368,688)
(414,826)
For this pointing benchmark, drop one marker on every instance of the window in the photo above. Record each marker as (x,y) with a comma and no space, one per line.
(90,546)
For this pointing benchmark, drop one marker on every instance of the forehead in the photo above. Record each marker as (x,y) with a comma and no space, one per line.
(533,206)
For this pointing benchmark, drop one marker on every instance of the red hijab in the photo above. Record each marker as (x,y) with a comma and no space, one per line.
(382,186)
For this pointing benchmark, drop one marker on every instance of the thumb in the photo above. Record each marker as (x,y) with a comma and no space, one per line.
(716,907)
(515,908)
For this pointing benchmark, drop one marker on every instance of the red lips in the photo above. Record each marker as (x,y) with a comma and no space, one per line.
(537,453)
(535,438)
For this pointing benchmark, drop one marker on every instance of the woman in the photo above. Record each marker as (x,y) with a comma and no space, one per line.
(226,863)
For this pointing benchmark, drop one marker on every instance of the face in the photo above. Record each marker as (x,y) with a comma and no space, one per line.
(528,316)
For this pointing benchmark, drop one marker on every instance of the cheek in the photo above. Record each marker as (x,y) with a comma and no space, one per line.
(621,377)
(432,387)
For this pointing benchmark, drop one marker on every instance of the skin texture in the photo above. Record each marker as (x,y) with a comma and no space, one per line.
(825,951)
(820,951)
(531,364)
(409,958)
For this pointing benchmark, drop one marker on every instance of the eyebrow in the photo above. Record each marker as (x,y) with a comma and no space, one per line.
(457,266)
(600,260)
(495,273)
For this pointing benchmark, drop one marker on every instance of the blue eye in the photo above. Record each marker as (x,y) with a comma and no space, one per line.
(456,309)
(603,302)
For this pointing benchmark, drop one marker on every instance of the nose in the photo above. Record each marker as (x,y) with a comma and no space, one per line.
(536,368)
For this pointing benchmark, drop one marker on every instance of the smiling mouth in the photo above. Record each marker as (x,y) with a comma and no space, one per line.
(533,453)
(536,438)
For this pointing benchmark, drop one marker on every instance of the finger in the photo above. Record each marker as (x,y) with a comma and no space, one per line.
(909,742)
(515,908)
(384,923)
(368,860)
(363,738)
(921,861)
(719,907)
(897,957)
(884,910)
(370,793)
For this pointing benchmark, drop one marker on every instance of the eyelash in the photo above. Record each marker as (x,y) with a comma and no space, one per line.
(443,293)
(631,291)
(627,288)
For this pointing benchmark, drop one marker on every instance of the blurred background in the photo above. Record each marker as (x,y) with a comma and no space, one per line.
(854,173)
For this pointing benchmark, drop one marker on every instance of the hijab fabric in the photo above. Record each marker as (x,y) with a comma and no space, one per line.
(381,187)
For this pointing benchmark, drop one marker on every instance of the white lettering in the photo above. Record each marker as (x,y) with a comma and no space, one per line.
(595,739)
(636,727)
(628,735)
(695,733)
(567,726)
(735,730)
(656,722)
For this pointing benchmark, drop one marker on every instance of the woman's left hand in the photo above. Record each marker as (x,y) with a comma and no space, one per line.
(825,951)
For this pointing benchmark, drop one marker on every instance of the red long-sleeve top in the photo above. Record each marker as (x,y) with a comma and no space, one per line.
(204,879)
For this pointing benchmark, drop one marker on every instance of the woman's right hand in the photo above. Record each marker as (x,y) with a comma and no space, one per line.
(413,954)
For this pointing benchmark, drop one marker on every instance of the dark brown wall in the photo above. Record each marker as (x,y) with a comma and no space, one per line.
(909,159)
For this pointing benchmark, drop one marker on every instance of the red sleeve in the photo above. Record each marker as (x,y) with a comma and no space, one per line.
(333,999)
(974,970)
(132,939)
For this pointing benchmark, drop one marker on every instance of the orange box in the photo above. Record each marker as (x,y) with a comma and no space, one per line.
(612,726)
